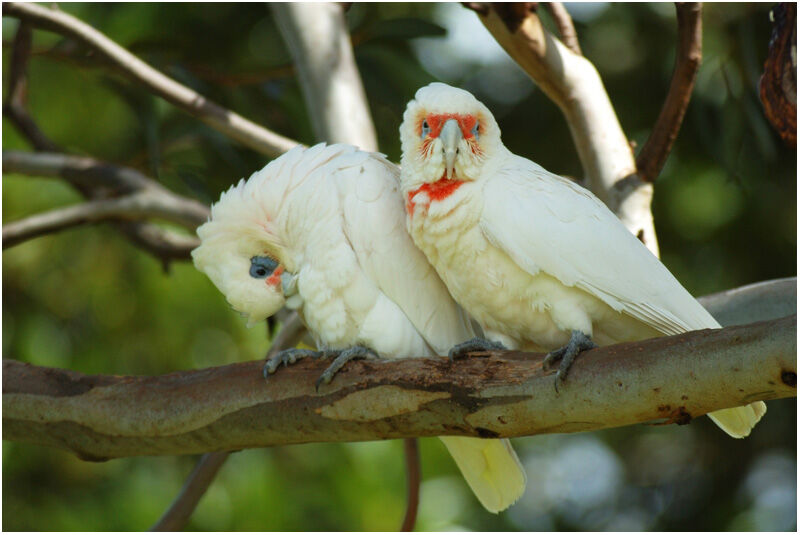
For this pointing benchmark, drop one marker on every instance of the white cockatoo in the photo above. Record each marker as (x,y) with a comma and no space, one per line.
(322,230)
(539,262)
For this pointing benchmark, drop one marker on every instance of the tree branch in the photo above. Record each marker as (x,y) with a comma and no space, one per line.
(14,106)
(229,123)
(505,394)
(413,478)
(571,81)
(318,39)
(778,83)
(194,488)
(760,301)
(688,56)
(566,29)
(136,206)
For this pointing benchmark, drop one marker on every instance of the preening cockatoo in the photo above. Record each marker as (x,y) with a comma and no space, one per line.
(540,262)
(322,230)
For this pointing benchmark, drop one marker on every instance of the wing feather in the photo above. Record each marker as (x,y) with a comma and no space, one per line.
(547,223)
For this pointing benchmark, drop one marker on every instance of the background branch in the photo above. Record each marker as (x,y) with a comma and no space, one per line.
(504,394)
(217,117)
(571,81)
(318,39)
(566,29)
(15,105)
(688,56)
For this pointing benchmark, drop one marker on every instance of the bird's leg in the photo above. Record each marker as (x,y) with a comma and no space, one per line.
(476,344)
(343,357)
(288,356)
(578,342)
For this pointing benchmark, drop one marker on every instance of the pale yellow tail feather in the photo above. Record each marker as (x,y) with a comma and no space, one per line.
(491,469)
(738,421)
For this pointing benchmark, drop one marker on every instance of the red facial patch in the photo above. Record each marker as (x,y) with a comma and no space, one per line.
(436,122)
(275,278)
(437,191)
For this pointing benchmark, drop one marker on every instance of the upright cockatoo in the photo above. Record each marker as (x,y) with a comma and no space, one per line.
(540,262)
(322,230)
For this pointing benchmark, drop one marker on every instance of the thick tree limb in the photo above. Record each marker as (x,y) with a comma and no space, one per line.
(229,123)
(318,39)
(688,56)
(505,394)
(572,82)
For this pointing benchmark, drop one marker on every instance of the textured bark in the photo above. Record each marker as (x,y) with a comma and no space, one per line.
(779,81)
(501,394)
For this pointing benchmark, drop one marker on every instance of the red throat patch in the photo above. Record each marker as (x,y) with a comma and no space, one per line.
(436,191)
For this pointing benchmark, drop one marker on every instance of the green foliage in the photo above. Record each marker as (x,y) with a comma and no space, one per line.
(87,300)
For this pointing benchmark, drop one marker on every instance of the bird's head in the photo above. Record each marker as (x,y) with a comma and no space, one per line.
(241,248)
(446,134)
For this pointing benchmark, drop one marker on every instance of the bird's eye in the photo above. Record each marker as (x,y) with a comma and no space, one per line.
(475,130)
(262,267)
(426,129)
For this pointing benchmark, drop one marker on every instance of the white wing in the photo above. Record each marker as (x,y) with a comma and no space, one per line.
(374,223)
(547,223)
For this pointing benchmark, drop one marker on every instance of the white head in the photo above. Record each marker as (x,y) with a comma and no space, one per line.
(446,134)
(241,248)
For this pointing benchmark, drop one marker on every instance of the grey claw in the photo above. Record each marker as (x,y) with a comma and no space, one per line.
(286,357)
(476,344)
(345,356)
(578,342)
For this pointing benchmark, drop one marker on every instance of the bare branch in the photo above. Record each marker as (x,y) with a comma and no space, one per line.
(217,117)
(761,301)
(162,243)
(778,83)
(501,394)
(14,106)
(571,81)
(566,28)
(320,45)
(136,206)
(413,478)
(194,488)
(98,180)
(689,54)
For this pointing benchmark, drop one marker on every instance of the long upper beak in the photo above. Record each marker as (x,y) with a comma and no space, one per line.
(451,136)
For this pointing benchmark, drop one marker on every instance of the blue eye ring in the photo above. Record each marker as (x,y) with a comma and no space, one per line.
(475,130)
(425,129)
(262,267)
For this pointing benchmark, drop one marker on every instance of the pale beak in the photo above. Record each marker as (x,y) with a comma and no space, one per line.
(451,137)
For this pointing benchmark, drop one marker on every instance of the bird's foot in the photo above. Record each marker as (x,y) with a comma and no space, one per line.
(476,344)
(288,356)
(343,356)
(578,342)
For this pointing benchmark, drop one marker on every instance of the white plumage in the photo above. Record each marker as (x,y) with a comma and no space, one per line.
(332,220)
(531,255)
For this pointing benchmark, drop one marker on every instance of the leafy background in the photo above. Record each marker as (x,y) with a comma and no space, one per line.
(85,299)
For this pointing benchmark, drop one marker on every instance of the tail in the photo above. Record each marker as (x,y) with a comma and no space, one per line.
(491,469)
(738,421)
